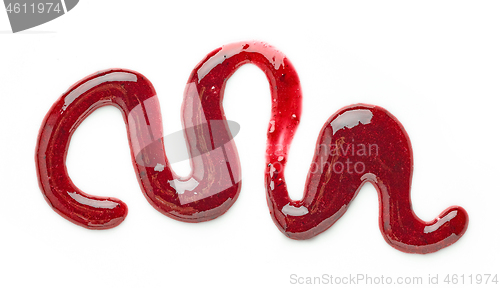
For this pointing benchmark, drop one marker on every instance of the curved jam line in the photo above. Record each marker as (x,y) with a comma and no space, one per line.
(358,144)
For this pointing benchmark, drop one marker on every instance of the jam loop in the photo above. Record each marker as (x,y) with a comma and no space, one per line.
(358,144)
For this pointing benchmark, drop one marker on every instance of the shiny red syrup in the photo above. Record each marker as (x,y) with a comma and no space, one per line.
(358,144)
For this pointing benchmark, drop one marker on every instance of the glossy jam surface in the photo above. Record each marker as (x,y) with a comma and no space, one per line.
(358,144)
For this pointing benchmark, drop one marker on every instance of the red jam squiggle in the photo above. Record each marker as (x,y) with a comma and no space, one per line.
(358,144)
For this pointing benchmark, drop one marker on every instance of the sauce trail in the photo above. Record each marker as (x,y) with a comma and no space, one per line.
(358,144)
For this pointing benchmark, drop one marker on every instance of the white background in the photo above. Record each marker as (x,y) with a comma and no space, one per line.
(435,65)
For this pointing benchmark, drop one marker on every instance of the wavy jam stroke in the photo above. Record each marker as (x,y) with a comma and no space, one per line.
(358,144)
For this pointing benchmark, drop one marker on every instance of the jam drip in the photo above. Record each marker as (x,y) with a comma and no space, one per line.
(358,144)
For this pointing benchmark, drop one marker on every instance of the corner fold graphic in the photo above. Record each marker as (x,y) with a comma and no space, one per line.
(31,13)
